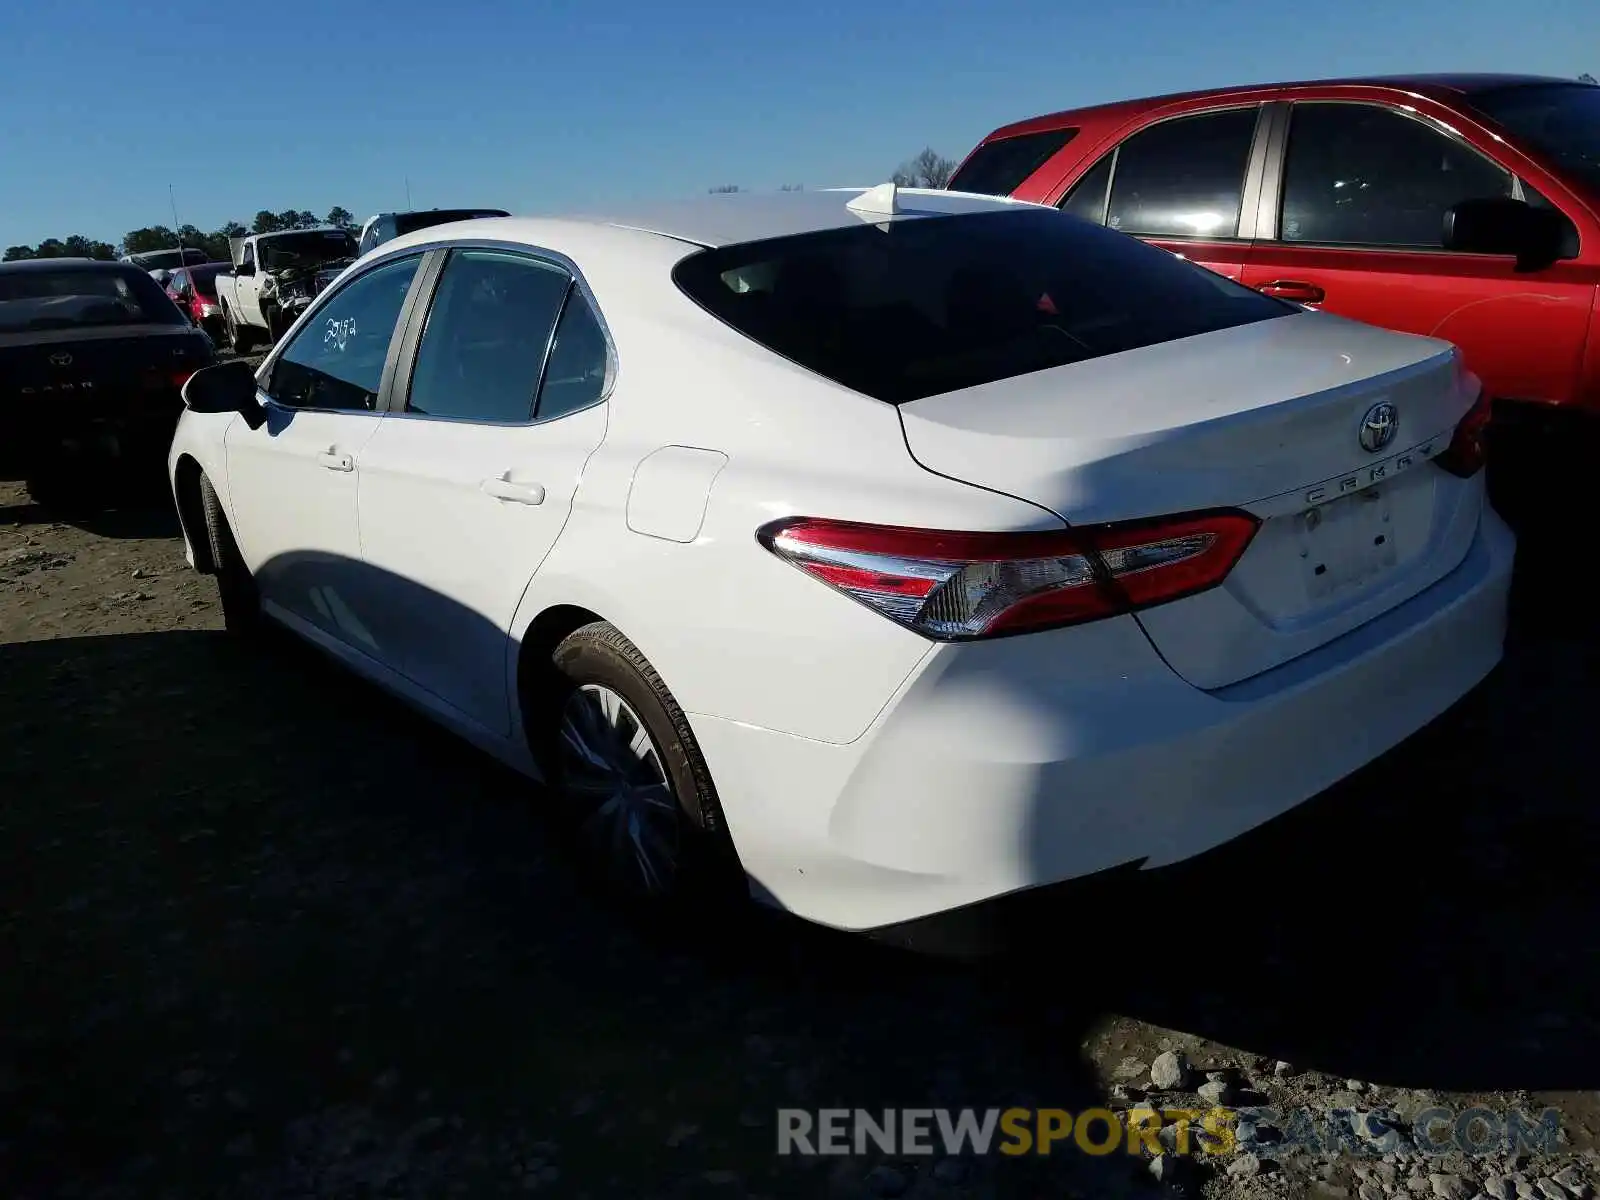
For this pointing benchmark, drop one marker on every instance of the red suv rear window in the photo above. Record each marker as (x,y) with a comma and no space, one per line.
(1000,167)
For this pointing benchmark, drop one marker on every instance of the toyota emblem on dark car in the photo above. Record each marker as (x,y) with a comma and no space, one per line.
(61,360)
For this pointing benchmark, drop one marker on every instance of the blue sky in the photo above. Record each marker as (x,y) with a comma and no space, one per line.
(549,104)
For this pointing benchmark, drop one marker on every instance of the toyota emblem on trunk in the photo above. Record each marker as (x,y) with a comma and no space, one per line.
(1379,426)
(61,360)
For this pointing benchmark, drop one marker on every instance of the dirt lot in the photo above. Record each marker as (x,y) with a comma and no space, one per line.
(265,934)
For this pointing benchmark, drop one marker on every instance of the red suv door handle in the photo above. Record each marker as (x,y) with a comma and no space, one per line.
(1293,289)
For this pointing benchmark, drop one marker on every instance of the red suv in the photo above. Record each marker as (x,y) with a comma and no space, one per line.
(1466,207)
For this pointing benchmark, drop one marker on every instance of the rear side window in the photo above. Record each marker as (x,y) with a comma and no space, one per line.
(1183,177)
(576,373)
(486,338)
(999,168)
(922,306)
(1087,199)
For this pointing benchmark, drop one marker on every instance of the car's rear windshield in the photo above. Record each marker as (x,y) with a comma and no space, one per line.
(157,260)
(918,307)
(39,300)
(301,249)
(999,167)
(205,277)
(1560,119)
(411,222)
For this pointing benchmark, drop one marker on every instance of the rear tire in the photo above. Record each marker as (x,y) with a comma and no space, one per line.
(241,602)
(52,487)
(629,778)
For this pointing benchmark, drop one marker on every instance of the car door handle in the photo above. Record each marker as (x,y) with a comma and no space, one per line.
(334,461)
(1293,289)
(501,488)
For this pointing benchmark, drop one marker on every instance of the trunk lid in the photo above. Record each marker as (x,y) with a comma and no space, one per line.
(101,371)
(1267,417)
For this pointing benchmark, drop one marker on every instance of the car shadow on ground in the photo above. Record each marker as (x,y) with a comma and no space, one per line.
(126,501)
(1433,922)
(269,933)
(266,930)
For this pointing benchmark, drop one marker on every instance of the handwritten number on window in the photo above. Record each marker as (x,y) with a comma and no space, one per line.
(339,332)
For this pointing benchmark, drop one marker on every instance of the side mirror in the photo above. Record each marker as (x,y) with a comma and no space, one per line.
(1501,225)
(245,269)
(224,388)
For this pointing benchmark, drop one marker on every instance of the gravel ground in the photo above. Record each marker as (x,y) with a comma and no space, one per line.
(265,934)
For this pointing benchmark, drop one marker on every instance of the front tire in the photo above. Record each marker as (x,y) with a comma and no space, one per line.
(629,777)
(241,602)
(240,341)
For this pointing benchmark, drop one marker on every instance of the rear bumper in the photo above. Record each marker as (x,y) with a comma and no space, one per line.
(1024,762)
(112,428)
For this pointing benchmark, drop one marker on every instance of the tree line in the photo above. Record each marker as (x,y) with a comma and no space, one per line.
(928,169)
(162,237)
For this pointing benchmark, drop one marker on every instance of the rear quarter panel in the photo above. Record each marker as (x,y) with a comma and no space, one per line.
(734,631)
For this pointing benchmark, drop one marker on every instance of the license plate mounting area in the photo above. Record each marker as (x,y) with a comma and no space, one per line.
(1346,543)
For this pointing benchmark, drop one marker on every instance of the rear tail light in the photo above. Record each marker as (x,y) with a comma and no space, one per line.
(958,586)
(1467,451)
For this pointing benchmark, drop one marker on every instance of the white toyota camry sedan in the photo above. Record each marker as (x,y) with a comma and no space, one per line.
(877,553)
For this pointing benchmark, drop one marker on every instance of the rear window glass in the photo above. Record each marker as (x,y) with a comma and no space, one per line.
(205,278)
(921,306)
(284,250)
(167,260)
(1562,120)
(999,168)
(37,300)
(411,222)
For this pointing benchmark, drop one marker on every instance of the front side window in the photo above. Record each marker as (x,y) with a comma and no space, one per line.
(484,344)
(336,359)
(1183,177)
(921,306)
(248,258)
(1359,175)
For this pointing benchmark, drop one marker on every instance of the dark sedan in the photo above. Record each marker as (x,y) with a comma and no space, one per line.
(93,356)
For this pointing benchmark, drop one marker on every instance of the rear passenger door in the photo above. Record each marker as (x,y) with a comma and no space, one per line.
(466,486)
(1352,220)
(1184,183)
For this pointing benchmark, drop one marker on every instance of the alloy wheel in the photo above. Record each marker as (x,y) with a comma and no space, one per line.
(612,770)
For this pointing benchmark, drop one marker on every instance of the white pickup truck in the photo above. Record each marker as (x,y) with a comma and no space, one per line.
(274,277)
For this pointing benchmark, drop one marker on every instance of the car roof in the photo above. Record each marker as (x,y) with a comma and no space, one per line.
(311,229)
(67,264)
(722,219)
(1445,86)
